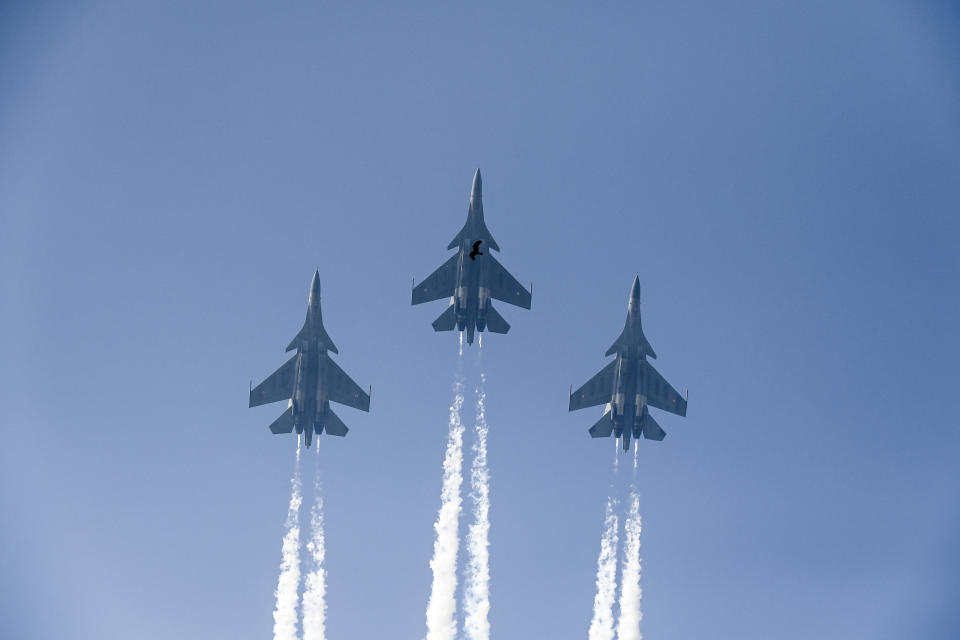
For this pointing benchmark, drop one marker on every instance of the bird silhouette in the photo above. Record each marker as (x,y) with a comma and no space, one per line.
(476,250)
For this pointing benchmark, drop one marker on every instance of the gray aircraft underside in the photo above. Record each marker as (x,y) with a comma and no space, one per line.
(310,381)
(472,278)
(629,385)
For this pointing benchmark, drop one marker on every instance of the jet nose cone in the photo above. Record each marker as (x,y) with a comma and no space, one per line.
(635,290)
(477,190)
(315,287)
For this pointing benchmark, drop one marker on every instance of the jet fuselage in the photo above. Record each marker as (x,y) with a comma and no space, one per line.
(628,404)
(471,297)
(310,404)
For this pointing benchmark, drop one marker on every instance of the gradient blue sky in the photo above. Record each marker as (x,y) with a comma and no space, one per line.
(782,176)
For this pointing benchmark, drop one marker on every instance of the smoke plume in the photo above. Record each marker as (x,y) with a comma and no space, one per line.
(442,606)
(628,626)
(477,593)
(314,596)
(285,614)
(601,627)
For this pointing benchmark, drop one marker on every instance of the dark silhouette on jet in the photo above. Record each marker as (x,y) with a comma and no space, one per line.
(628,385)
(476,250)
(310,381)
(472,285)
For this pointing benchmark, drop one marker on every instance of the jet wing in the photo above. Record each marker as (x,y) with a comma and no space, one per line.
(279,386)
(439,284)
(340,388)
(596,391)
(504,287)
(659,392)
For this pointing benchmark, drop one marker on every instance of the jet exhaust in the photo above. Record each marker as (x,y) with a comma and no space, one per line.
(628,626)
(442,606)
(314,597)
(477,592)
(601,626)
(285,613)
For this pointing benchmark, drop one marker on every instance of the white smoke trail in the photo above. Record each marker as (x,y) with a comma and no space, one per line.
(314,597)
(442,606)
(636,453)
(601,627)
(477,596)
(285,614)
(628,626)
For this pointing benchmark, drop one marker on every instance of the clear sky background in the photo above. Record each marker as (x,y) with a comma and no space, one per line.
(783,177)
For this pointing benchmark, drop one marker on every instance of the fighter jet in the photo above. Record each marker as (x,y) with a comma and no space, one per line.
(628,385)
(471,277)
(310,381)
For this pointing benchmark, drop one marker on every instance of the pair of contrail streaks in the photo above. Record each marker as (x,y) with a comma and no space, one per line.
(442,606)
(628,622)
(314,604)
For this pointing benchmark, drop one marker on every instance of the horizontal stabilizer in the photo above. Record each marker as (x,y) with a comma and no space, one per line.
(447,320)
(283,424)
(604,426)
(334,425)
(651,430)
(495,321)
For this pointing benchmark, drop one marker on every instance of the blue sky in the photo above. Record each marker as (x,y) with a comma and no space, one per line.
(782,178)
